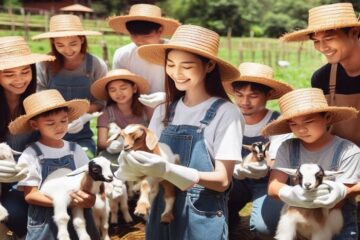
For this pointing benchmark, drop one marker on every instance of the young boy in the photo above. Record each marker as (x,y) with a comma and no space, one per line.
(307,115)
(145,25)
(251,92)
(48,113)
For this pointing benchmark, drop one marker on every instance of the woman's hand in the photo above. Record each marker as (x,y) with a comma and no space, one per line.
(82,199)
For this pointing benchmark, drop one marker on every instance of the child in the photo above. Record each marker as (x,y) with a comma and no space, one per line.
(17,81)
(72,72)
(201,125)
(48,113)
(121,89)
(145,25)
(307,115)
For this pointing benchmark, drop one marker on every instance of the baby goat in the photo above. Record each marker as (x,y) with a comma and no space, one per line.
(139,137)
(315,223)
(258,152)
(60,183)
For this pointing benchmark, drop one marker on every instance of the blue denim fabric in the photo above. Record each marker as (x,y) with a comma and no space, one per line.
(349,210)
(76,86)
(40,219)
(199,213)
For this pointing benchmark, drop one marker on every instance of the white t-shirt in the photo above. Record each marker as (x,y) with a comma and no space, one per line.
(29,157)
(128,58)
(276,140)
(223,136)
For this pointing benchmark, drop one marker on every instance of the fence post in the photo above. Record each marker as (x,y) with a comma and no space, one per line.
(241,52)
(26,25)
(46,21)
(105,52)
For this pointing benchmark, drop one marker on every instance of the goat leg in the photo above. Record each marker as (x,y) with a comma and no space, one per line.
(79,223)
(169,197)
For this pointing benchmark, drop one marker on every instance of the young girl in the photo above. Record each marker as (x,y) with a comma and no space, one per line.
(201,125)
(73,71)
(307,115)
(17,81)
(48,113)
(121,89)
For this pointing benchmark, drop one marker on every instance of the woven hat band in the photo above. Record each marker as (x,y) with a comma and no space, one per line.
(256,70)
(325,15)
(301,100)
(197,37)
(145,10)
(13,47)
(65,23)
(35,103)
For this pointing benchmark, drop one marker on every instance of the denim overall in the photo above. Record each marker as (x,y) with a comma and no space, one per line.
(12,199)
(265,210)
(41,225)
(349,210)
(199,213)
(76,87)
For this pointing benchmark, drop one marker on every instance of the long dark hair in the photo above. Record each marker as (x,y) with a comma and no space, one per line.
(213,85)
(5,113)
(58,64)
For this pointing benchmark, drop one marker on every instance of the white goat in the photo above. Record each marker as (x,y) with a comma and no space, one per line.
(101,211)
(258,153)
(60,183)
(315,223)
(139,137)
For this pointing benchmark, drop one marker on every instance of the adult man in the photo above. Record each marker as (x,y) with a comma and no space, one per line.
(251,92)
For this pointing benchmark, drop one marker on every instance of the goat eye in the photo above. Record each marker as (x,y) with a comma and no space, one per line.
(95,170)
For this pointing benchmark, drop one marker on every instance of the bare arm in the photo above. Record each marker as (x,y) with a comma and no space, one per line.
(102,138)
(95,107)
(276,182)
(35,197)
(220,179)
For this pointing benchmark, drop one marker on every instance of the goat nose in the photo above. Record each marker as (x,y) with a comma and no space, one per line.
(307,185)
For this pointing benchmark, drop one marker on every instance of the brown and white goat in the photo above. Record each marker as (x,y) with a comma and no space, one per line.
(139,137)
(310,223)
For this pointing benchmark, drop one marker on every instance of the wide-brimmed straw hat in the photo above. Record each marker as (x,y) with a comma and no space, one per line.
(98,88)
(44,101)
(143,12)
(302,102)
(65,25)
(15,52)
(193,39)
(261,74)
(325,17)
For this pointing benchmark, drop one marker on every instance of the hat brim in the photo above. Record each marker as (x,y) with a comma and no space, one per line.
(12,62)
(278,88)
(119,23)
(65,34)
(77,107)
(155,53)
(281,125)
(303,35)
(98,88)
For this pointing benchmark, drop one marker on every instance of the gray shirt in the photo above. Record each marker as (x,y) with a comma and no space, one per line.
(349,161)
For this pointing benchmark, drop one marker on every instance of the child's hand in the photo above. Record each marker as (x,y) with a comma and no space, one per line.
(82,199)
(251,170)
(152,100)
(12,172)
(337,192)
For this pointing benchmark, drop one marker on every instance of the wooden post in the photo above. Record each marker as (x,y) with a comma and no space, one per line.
(229,42)
(10,11)
(241,52)
(252,49)
(299,54)
(270,58)
(105,52)
(46,21)
(26,26)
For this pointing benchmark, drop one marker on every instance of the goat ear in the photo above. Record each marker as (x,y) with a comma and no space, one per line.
(15,152)
(332,173)
(267,145)
(113,137)
(151,139)
(247,147)
(79,170)
(288,171)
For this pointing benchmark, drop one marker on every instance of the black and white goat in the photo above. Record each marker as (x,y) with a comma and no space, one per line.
(258,152)
(60,183)
(311,223)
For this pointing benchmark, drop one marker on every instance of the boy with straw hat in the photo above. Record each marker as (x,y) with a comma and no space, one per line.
(48,113)
(73,71)
(335,30)
(251,92)
(145,25)
(307,115)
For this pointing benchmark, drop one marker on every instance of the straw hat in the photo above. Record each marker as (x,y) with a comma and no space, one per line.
(65,25)
(193,39)
(44,101)
(262,74)
(143,12)
(98,88)
(303,102)
(15,52)
(325,17)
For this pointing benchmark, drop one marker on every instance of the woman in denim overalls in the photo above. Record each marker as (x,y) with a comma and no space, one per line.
(73,71)
(17,66)
(202,127)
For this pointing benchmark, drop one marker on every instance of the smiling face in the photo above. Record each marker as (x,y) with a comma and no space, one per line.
(121,91)
(336,45)
(69,47)
(16,80)
(250,101)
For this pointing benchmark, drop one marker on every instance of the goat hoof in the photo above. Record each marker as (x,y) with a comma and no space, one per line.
(141,209)
(167,218)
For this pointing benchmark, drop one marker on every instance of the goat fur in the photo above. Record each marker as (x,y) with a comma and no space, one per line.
(258,153)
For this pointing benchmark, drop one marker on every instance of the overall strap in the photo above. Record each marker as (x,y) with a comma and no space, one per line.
(72,148)
(37,150)
(89,61)
(294,153)
(332,83)
(335,161)
(211,112)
